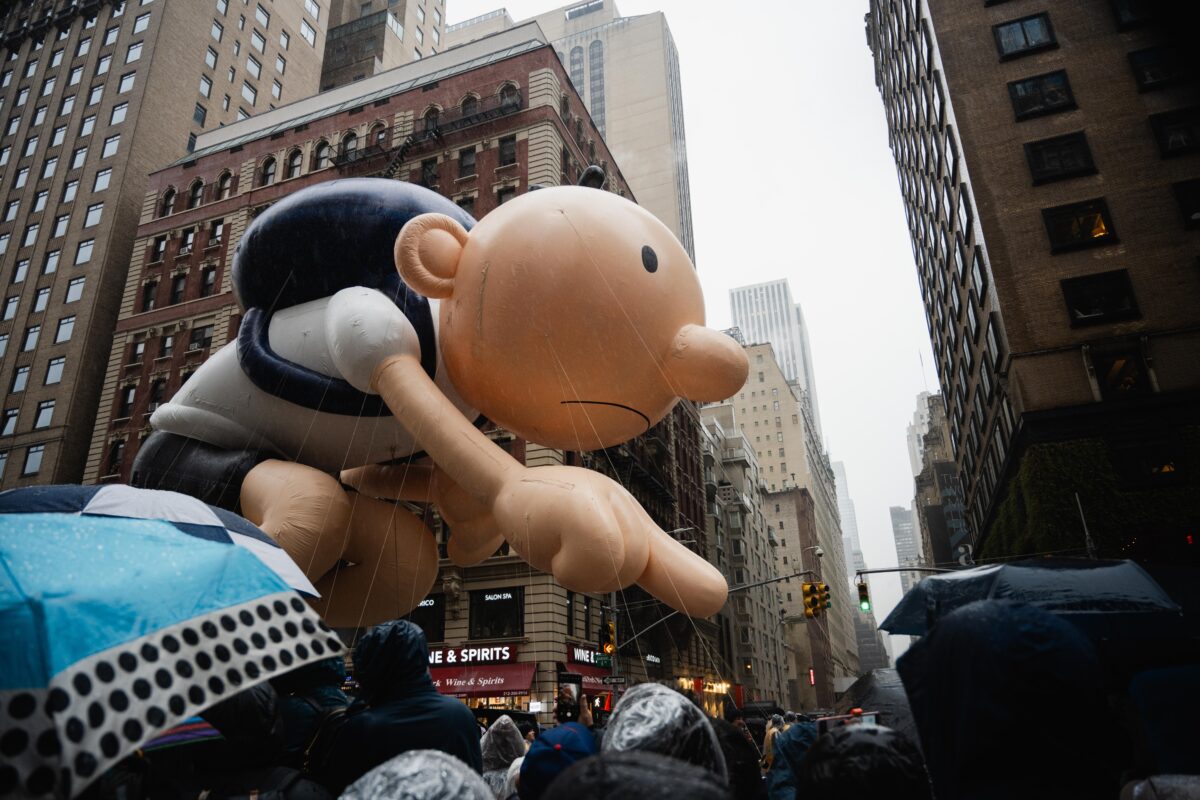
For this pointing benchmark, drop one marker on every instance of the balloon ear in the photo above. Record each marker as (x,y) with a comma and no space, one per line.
(427,253)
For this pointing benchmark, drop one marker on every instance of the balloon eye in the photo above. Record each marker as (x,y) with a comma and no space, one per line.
(649,259)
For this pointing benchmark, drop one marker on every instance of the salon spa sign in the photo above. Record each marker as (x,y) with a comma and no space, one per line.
(466,656)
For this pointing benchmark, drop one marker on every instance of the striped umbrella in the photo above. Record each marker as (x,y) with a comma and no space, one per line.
(188,514)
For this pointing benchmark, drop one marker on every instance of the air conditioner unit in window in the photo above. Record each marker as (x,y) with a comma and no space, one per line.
(195,346)
(150,409)
(185,250)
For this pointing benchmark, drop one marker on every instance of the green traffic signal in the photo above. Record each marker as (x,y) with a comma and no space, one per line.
(864,598)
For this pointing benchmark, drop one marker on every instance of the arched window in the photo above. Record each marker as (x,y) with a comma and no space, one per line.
(266,173)
(349,144)
(431,119)
(379,135)
(596,82)
(509,96)
(295,158)
(324,155)
(470,105)
(224,185)
(577,69)
(168,202)
(195,194)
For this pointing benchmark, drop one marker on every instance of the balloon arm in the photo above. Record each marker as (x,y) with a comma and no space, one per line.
(411,482)
(456,446)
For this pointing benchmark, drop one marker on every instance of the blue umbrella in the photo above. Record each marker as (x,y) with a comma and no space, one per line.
(188,514)
(114,630)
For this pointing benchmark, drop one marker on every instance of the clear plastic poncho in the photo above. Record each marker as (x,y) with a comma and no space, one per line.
(420,775)
(653,718)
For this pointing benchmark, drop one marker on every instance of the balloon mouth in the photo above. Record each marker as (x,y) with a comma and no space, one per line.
(644,418)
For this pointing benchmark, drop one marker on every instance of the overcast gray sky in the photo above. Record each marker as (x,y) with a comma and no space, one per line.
(792,178)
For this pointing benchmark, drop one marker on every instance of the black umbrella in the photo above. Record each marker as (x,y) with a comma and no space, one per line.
(1102,597)
(881,690)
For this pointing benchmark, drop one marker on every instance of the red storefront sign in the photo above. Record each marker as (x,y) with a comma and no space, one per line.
(495,680)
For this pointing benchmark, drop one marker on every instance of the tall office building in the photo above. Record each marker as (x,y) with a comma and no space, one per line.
(908,545)
(627,71)
(916,431)
(1049,159)
(367,37)
(766,313)
(778,422)
(95,94)
(944,534)
(871,652)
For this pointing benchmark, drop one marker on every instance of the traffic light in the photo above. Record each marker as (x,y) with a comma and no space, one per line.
(823,595)
(864,597)
(812,600)
(608,638)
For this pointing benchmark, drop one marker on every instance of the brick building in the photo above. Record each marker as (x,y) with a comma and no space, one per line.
(1049,160)
(478,124)
(96,94)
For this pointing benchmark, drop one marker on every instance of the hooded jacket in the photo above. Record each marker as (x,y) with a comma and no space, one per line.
(400,710)
(635,775)
(1009,701)
(306,696)
(863,760)
(501,745)
(791,747)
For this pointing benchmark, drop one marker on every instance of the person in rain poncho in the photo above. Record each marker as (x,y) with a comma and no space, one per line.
(654,718)
(861,762)
(399,709)
(791,747)
(1009,701)
(550,754)
(635,775)
(501,745)
(775,727)
(420,775)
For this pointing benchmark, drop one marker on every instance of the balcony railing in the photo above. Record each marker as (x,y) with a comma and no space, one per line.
(355,155)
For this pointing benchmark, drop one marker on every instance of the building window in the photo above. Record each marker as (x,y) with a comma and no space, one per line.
(216,230)
(349,145)
(218,30)
(31,233)
(95,94)
(576,69)
(41,299)
(201,337)
(78,157)
(1120,371)
(83,251)
(308,33)
(266,173)
(1178,131)
(1023,36)
(110,146)
(126,83)
(249,92)
(1079,225)
(133,53)
(158,250)
(66,326)
(30,339)
(466,162)
(102,179)
(323,156)
(92,217)
(262,16)
(208,281)
(224,185)
(295,158)
(178,287)
(1101,298)
(504,195)
(429,172)
(33,460)
(312,8)
(149,296)
(467,204)
(1155,67)
(45,415)
(276,90)
(141,22)
(508,150)
(1187,194)
(87,125)
(50,265)
(75,290)
(596,82)
(20,379)
(1059,158)
(1130,13)
(116,457)
(118,113)
(259,43)
(498,613)
(54,371)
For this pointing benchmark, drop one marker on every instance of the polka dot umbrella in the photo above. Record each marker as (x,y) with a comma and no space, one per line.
(113,630)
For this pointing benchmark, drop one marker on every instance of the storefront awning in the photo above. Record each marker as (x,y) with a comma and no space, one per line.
(593,677)
(488,680)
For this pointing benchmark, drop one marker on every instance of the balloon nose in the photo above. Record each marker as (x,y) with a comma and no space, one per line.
(705,365)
